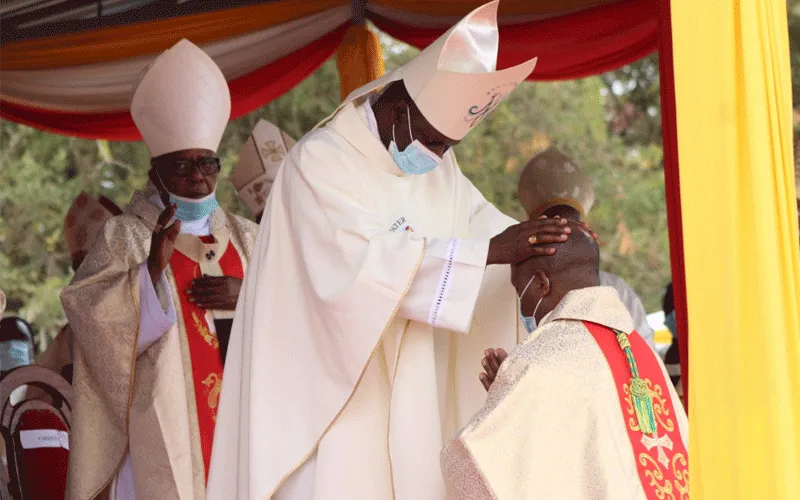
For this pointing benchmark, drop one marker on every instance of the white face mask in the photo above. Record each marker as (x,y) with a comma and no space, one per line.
(530,321)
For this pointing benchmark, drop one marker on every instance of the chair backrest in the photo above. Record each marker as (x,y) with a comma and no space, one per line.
(35,424)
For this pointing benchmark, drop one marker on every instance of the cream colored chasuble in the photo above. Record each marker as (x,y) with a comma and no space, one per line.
(552,427)
(350,344)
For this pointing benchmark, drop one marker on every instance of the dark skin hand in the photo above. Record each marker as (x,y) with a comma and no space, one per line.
(215,292)
(492,360)
(162,243)
(515,244)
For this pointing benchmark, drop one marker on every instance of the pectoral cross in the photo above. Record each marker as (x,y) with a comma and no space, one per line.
(660,442)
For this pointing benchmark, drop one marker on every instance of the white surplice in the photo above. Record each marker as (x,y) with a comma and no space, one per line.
(359,331)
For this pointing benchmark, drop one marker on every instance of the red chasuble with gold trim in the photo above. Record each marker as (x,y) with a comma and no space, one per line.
(206,361)
(661,457)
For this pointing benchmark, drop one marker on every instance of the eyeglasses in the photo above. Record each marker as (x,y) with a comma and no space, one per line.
(183,167)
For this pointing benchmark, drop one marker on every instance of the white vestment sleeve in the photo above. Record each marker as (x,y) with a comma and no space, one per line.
(155,317)
(445,288)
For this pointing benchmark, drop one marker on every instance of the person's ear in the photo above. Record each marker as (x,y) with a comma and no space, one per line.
(542,283)
(399,111)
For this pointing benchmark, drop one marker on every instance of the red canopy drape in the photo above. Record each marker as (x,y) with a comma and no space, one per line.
(572,46)
(569,46)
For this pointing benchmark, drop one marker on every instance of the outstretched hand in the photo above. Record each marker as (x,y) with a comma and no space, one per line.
(492,360)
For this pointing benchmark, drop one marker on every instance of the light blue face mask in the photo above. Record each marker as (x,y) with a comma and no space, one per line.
(191,209)
(530,321)
(415,159)
(13,354)
(672,324)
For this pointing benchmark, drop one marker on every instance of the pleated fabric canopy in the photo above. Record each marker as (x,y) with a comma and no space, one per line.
(79,82)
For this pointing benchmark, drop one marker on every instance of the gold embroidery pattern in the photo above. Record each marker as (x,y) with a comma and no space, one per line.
(680,469)
(209,337)
(677,488)
(663,488)
(213,385)
(272,150)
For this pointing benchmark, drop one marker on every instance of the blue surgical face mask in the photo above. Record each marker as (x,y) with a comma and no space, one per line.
(672,324)
(13,354)
(192,209)
(415,159)
(530,321)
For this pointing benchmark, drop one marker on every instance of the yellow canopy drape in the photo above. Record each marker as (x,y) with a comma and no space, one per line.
(734,104)
(359,60)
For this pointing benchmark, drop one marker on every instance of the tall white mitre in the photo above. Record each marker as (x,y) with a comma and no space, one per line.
(182,101)
(258,164)
(454,81)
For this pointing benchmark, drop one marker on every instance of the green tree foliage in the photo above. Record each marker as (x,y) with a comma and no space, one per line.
(610,124)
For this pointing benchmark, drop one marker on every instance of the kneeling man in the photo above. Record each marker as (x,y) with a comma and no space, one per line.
(582,409)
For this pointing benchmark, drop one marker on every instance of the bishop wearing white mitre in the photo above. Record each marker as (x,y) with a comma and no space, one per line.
(356,342)
(151,304)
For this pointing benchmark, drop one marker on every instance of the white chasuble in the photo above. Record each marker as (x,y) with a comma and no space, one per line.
(357,338)
(134,412)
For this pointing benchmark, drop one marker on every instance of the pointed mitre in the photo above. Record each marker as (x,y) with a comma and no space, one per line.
(454,81)
(182,101)
(83,223)
(258,164)
(551,178)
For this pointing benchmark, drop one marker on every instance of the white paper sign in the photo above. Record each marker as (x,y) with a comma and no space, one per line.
(44,438)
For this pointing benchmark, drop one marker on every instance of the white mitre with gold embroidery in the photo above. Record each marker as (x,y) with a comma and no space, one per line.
(258,164)
(83,223)
(182,101)
(454,81)
(551,178)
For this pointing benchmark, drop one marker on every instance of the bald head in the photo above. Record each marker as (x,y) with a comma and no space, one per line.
(575,265)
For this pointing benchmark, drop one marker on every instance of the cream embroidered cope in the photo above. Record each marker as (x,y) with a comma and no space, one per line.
(113,408)
(551,425)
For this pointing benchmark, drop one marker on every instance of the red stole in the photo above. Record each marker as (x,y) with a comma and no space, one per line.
(206,361)
(662,459)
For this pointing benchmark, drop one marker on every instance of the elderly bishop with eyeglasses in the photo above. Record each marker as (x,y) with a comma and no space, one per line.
(151,305)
